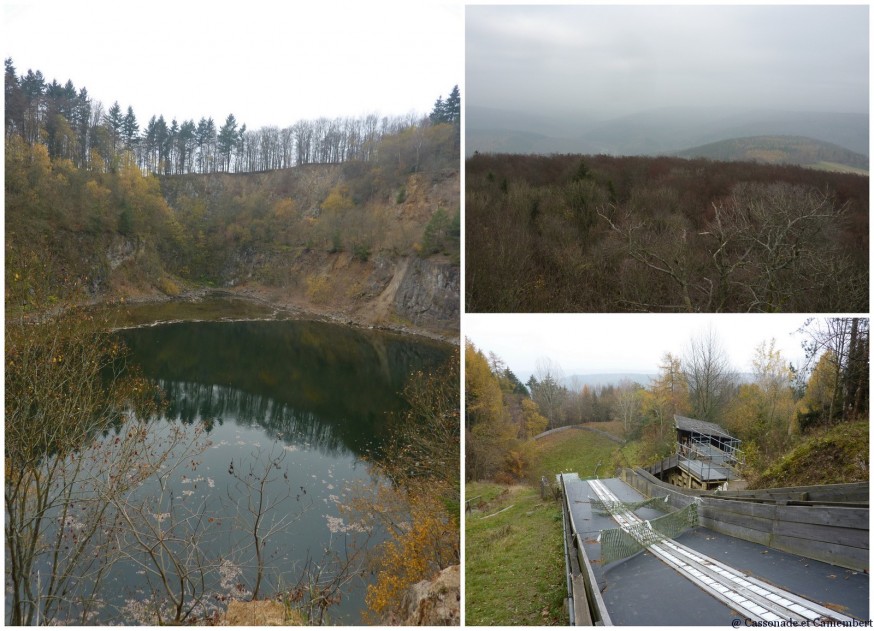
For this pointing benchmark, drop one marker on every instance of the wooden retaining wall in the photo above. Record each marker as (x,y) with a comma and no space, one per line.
(588,604)
(834,534)
(857,492)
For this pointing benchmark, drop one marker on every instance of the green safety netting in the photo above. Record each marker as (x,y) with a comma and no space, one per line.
(617,543)
(609,507)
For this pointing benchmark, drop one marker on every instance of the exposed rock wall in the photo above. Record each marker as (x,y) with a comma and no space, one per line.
(429,292)
(433,603)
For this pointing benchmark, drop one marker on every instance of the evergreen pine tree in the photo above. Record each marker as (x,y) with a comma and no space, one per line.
(129,128)
(453,106)
(439,112)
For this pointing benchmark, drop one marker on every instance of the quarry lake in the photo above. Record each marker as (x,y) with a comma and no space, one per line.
(270,425)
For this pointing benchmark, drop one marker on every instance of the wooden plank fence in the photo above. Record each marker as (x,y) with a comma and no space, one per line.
(588,604)
(857,492)
(834,534)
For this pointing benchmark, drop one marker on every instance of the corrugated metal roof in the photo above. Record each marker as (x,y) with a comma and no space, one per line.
(701,427)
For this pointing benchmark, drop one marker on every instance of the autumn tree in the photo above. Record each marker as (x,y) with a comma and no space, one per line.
(488,434)
(667,395)
(534,423)
(427,444)
(548,391)
(762,412)
(816,404)
(629,397)
(709,376)
(774,376)
(64,389)
(844,342)
(421,508)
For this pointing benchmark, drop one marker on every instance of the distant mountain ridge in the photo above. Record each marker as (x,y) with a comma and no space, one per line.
(663,131)
(781,150)
(608,379)
(615,379)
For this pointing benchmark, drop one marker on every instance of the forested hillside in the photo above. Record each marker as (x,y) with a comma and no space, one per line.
(782,150)
(72,125)
(601,233)
(355,216)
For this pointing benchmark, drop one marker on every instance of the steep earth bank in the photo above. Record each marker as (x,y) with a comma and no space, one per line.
(405,294)
(377,264)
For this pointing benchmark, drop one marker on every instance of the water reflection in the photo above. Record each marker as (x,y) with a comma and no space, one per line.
(213,406)
(331,386)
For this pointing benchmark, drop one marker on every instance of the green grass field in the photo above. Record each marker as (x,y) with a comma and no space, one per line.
(514,563)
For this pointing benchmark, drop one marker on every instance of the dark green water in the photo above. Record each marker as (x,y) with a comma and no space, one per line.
(311,378)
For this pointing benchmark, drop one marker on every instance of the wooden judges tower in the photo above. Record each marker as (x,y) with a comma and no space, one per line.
(707,456)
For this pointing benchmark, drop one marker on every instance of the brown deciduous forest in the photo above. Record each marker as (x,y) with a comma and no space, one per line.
(119,207)
(603,234)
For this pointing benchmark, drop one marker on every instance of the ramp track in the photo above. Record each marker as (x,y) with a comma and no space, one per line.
(749,596)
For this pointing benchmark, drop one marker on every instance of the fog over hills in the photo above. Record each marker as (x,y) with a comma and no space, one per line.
(650,80)
(661,131)
(576,382)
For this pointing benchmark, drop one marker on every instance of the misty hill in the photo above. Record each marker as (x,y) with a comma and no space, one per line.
(549,126)
(662,131)
(575,382)
(781,150)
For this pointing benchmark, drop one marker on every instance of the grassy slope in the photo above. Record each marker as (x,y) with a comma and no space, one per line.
(830,456)
(575,451)
(514,567)
(838,168)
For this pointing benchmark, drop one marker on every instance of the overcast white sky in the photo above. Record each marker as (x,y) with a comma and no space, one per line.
(622,59)
(267,62)
(635,343)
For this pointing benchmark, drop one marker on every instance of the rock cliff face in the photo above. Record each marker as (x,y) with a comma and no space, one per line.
(433,603)
(124,249)
(403,292)
(429,292)
(260,613)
